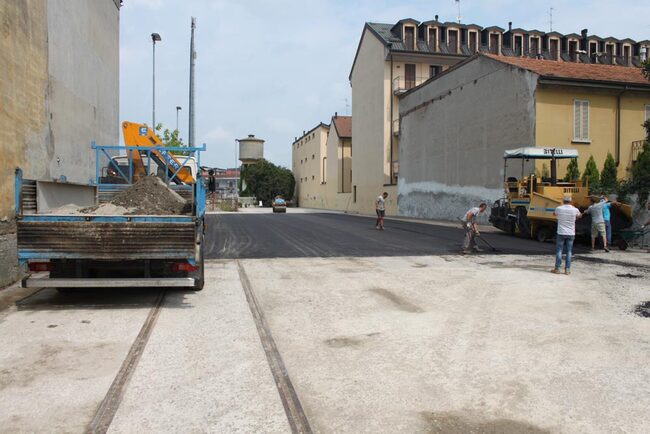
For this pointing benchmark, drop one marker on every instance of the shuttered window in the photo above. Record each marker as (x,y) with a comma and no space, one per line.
(580,120)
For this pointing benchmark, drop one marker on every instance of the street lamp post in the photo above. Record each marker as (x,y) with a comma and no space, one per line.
(155,37)
(178,108)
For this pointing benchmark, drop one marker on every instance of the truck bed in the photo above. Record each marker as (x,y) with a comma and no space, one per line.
(106,237)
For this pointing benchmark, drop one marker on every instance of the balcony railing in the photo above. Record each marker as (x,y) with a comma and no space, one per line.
(402,84)
(637,147)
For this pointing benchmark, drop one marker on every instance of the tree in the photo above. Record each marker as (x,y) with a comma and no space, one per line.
(640,174)
(170,139)
(572,171)
(591,175)
(645,65)
(265,181)
(608,181)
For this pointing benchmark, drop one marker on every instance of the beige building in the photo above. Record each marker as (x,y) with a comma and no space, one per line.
(309,166)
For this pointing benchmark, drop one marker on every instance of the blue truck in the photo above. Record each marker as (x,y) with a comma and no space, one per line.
(89,250)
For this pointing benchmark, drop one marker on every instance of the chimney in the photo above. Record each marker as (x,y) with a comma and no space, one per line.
(510,26)
(436,17)
(584,33)
(336,114)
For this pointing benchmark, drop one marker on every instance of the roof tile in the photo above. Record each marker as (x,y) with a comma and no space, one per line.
(576,71)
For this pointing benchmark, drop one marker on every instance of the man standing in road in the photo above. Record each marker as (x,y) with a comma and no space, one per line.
(471,228)
(597,222)
(566,233)
(380,209)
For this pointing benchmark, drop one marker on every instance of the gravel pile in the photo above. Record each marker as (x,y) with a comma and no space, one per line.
(149,196)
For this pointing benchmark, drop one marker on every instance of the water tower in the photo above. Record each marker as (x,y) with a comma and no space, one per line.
(251,150)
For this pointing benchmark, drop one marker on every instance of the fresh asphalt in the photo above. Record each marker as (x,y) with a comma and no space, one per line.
(291,235)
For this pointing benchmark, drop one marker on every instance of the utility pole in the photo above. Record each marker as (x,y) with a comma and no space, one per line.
(190,139)
(550,14)
(155,37)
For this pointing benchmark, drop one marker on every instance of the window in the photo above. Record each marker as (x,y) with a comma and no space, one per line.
(580,120)
(626,54)
(573,50)
(554,48)
(494,43)
(313,156)
(593,48)
(409,73)
(433,40)
(324,170)
(409,37)
(473,44)
(534,46)
(354,194)
(519,44)
(453,41)
(433,70)
(313,177)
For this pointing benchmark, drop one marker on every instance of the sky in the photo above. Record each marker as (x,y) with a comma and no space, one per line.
(274,68)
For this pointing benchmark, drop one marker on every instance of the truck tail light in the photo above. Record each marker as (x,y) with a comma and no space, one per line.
(183,266)
(41,266)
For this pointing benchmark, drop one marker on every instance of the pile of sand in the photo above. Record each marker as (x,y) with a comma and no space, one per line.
(150,196)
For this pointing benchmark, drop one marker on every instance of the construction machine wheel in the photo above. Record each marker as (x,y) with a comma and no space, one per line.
(544,234)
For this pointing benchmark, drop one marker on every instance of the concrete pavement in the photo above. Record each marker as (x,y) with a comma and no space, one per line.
(419,339)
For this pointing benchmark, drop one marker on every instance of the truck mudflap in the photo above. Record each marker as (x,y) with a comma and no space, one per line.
(158,282)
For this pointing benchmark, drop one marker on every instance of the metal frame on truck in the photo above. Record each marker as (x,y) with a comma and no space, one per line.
(88,250)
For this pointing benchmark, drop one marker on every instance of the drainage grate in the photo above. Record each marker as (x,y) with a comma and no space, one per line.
(643,309)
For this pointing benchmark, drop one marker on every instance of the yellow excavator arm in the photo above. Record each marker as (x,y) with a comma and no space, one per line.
(140,135)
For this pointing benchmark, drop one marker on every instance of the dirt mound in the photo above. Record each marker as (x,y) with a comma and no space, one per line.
(149,196)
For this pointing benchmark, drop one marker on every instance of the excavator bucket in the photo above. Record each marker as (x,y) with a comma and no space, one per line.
(141,136)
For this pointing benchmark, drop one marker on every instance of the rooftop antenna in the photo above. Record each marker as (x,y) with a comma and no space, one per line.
(550,14)
(458,4)
(347,107)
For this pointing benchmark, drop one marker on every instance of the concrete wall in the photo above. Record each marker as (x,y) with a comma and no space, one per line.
(454,130)
(83,59)
(554,107)
(59,79)
(24,128)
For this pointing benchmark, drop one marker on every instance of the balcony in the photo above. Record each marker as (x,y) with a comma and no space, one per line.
(402,84)
(637,148)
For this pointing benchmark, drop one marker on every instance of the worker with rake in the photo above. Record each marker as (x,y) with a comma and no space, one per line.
(471,228)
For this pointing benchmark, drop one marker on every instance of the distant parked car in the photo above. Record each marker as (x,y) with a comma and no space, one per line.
(279,205)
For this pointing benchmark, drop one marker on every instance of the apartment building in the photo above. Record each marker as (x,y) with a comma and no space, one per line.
(309,166)
(456,126)
(391,59)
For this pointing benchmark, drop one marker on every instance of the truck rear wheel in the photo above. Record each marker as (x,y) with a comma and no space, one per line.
(199,275)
